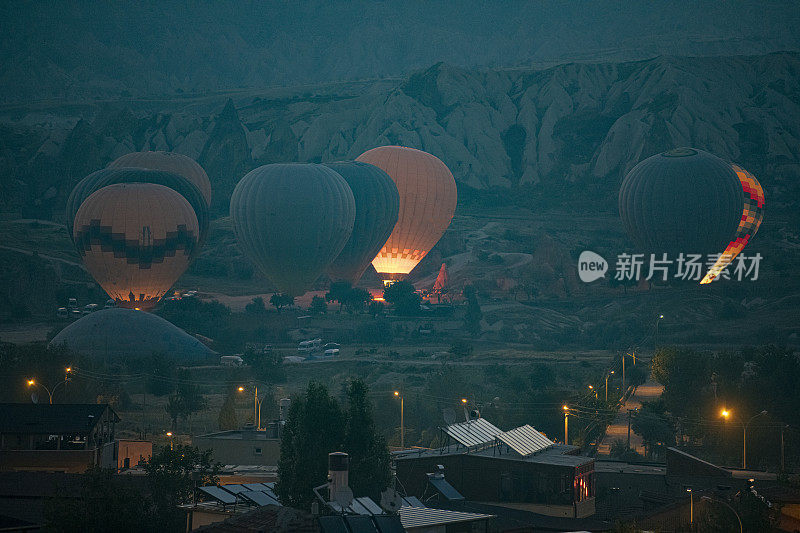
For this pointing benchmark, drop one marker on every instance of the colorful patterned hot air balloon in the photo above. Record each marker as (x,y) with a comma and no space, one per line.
(292,220)
(109,176)
(135,239)
(752,215)
(377,204)
(682,201)
(427,203)
(171,162)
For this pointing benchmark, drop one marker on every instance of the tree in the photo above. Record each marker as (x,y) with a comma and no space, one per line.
(376,308)
(339,292)
(370,470)
(186,401)
(279,300)
(654,429)
(256,307)
(473,315)
(314,428)
(318,305)
(172,475)
(403,296)
(227,418)
(356,299)
(162,370)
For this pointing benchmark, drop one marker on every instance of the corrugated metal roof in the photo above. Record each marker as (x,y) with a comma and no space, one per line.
(474,432)
(525,440)
(428,516)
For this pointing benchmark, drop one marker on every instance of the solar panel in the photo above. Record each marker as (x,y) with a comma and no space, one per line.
(474,432)
(412,501)
(445,488)
(218,494)
(370,505)
(360,524)
(255,486)
(332,524)
(258,497)
(524,440)
(358,508)
(233,489)
(388,523)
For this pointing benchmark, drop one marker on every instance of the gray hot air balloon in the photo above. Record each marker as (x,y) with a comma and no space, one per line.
(377,206)
(292,220)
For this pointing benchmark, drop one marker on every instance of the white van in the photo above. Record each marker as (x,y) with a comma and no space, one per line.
(309,347)
(331,352)
(231,360)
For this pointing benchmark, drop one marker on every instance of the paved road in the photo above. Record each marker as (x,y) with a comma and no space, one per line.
(619,428)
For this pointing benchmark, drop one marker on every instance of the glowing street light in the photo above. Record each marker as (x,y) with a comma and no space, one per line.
(726,414)
(33,383)
(402,422)
(591,388)
(607,376)
(565,407)
(171,445)
(256,407)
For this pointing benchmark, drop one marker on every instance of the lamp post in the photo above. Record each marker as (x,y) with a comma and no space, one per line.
(591,388)
(607,376)
(566,424)
(726,414)
(691,507)
(256,406)
(33,383)
(655,342)
(402,422)
(171,446)
(710,499)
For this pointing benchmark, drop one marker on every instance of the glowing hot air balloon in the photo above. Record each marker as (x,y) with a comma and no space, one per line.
(292,220)
(135,239)
(109,176)
(377,205)
(752,215)
(171,162)
(427,204)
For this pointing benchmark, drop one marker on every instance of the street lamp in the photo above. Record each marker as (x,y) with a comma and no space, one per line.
(402,422)
(566,423)
(591,388)
(256,406)
(660,317)
(169,434)
(726,414)
(33,383)
(607,376)
(691,506)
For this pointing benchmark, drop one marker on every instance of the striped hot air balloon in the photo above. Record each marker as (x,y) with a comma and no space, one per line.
(171,162)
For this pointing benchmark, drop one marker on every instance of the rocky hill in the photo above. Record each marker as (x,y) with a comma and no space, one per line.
(82,50)
(576,127)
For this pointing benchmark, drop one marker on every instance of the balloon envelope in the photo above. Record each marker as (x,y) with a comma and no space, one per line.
(135,239)
(682,201)
(377,204)
(109,176)
(427,203)
(171,162)
(292,220)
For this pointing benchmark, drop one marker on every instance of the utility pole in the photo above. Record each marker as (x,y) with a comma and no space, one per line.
(629,429)
(624,388)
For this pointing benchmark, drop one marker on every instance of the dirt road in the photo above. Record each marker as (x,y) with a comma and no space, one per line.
(619,428)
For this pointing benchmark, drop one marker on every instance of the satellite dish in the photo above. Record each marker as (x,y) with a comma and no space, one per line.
(344,497)
(391,501)
(474,414)
(449,415)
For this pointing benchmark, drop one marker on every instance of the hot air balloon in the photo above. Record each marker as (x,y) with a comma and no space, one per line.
(135,239)
(427,203)
(292,220)
(377,203)
(682,201)
(752,215)
(171,162)
(109,176)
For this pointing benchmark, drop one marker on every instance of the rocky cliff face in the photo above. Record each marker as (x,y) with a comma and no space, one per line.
(579,125)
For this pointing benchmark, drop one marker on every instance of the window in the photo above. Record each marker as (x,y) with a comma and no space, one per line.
(258,451)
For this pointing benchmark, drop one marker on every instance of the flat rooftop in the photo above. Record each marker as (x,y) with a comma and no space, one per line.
(238,434)
(557,454)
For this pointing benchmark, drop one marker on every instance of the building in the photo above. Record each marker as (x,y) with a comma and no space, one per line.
(246,446)
(518,469)
(122,454)
(54,438)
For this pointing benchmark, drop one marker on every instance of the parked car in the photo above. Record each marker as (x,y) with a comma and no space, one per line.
(73,303)
(331,352)
(332,346)
(110,303)
(231,360)
(90,308)
(310,346)
(62,312)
